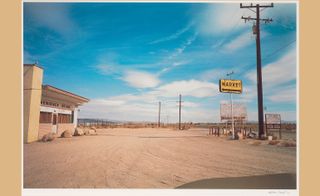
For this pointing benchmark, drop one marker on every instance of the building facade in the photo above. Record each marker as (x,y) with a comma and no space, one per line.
(47,108)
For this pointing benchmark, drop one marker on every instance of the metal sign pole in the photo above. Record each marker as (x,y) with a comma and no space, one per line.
(231,100)
(232,120)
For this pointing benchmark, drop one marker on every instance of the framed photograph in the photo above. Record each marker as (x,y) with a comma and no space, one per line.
(160,98)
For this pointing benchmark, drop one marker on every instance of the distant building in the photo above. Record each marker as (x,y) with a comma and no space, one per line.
(46,108)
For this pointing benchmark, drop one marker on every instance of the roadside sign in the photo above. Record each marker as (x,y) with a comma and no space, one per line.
(230,86)
(273,121)
(239,112)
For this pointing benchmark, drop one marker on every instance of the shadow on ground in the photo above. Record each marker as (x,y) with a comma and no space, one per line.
(273,181)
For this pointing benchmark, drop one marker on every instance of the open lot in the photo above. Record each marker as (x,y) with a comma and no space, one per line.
(148,158)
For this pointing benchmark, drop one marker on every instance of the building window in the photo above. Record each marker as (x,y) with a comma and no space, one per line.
(64,118)
(45,117)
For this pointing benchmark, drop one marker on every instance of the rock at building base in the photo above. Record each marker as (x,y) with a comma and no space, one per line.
(90,132)
(48,137)
(78,132)
(66,134)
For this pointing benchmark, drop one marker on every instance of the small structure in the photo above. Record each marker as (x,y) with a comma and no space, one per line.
(47,108)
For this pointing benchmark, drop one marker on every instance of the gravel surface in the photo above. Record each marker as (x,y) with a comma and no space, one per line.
(148,158)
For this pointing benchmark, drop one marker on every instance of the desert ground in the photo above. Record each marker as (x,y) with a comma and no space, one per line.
(148,158)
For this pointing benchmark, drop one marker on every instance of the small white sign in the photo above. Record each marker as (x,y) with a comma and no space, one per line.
(273,119)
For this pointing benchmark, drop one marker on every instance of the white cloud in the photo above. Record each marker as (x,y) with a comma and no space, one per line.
(283,14)
(239,42)
(53,16)
(285,115)
(27,58)
(279,72)
(181,49)
(107,69)
(284,94)
(193,88)
(218,19)
(144,106)
(176,53)
(109,102)
(215,74)
(142,111)
(173,36)
(126,112)
(140,79)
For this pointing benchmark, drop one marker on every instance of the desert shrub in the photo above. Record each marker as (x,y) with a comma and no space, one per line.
(78,132)
(66,134)
(48,137)
(255,143)
(273,142)
(287,144)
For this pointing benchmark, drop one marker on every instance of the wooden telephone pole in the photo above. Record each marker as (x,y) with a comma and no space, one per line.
(256,30)
(159,113)
(180,101)
(179,112)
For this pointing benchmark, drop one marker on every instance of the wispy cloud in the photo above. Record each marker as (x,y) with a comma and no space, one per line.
(140,79)
(107,69)
(239,42)
(171,59)
(148,112)
(27,58)
(219,19)
(174,35)
(285,115)
(279,72)
(284,95)
(194,88)
(144,105)
(215,74)
(283,14)
(181,49)
(54,16)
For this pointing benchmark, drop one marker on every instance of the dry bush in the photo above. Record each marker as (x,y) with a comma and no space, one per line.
(66,134)
(48,137)
(255,143)
(78,132)
(273,142)
(287,144)
(90,132)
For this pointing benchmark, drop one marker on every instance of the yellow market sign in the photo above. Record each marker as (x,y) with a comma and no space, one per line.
(230,86)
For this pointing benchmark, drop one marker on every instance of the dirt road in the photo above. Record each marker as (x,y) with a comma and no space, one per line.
(147,158)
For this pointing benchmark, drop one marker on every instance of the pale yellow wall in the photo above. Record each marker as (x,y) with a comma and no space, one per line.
(31,102)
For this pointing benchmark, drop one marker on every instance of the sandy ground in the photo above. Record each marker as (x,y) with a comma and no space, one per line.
(148,158)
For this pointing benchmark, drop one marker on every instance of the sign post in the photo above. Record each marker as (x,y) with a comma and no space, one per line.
(273,121)
(230,86)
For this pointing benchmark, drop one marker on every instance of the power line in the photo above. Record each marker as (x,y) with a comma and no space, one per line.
(279,49)
(274,52)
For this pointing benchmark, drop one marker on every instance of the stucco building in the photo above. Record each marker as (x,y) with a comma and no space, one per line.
(46,108)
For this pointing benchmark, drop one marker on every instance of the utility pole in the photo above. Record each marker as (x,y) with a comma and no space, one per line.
(231,100)
(159,113)
(180,112)
(256,30)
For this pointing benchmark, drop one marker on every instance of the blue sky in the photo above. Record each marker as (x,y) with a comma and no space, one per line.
(126,57)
